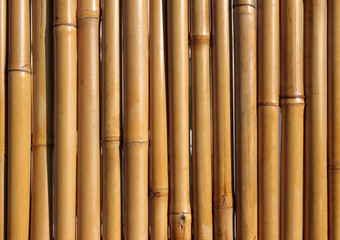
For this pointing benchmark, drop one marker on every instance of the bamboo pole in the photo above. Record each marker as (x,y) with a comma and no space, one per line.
(222,182)
(65,116)
(111,120)
(88,179)
(158,167)
(333,118)
(245,119)
(268,118)
(178,74)
(135,54)
(42,140)
(315,167)
(292,107)
(19,119)
(201,123)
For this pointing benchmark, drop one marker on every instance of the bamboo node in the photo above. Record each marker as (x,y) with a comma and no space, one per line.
(240,3)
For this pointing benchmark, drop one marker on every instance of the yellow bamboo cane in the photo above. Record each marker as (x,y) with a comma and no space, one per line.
(201,123)
(42,141)
(135,42)
(245,119)
(292,105)
(178,74)
(333,118)
(65,115)
(315,192)
(19,119)
(158,167)
(88,184)
(111,120)
(268,118)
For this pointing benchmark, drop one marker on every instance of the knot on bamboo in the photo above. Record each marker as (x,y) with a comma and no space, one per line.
(199,39)
(239,3)
(297,100)
(159,192)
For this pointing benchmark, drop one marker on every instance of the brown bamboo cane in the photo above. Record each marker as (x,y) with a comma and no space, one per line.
(201,123)
(178,74)
(135,55)
(19,119)
(292,107)
(333,94)
(88,178)
(315,167)
(158,167)
(65,116)
(222,182)
(268,118)
(42,140)
(111,120)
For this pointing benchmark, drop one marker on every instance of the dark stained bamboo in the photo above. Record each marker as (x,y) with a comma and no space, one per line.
(136,94)
(178,75)
(111,120)
(268,118)
(223,190)
(245,119)
(292,107)
(315,166)
(42,140)
(158,166)
(333,119)
(19,119)
(65,116)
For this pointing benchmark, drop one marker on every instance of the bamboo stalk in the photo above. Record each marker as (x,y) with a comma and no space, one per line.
(178,74)
(201,123)
(158,167)
(135,52)
(268,118)
(333,118)
(292,107)
(245,119)
(65,116)
(315,167)
(19,119)
(88,184)
(111,120)
(42,140)
(223,190)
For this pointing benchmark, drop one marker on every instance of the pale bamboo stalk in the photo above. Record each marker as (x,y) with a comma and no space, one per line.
(136,101)
(292,107)
(201,123)
(245,119)
(19,119)
(268,118)
(315,152)
(111,120)
(42,140)
(178,75)
(333,94)
(88,178)
(158,166)
(65,116)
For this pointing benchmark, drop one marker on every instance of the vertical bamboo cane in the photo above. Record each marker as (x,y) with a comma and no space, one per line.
(42,141)
(111,120)
(315,198)
(88,184)
(135,41)
(158,167)
(201,123)
(178,73)
(223,190)
(268,118)
(292,105)
(333,118)
(245,119)
(19,119)
(65,107)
